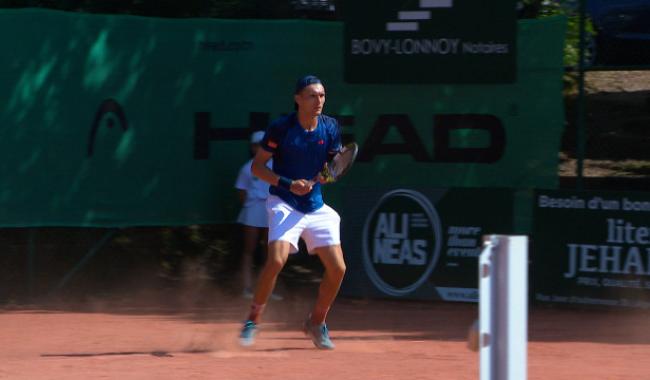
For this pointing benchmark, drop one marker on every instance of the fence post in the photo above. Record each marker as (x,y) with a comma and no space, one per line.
(580,112)
(503,307)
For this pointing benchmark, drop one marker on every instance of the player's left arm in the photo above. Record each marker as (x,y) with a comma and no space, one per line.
(335,145)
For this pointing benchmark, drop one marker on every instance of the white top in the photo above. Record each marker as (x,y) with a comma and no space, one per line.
(256,189)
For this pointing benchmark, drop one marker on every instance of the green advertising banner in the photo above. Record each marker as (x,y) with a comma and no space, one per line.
(430,41)
(125,121)
(419,243)
(592,248)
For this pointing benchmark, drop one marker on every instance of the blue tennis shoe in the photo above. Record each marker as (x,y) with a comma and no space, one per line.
(319,335)
(247,335)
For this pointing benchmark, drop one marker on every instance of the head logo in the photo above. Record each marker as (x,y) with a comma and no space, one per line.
(401,242)
(408,20)
(109,109)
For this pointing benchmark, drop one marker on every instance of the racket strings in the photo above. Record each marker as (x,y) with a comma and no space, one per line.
(340,162)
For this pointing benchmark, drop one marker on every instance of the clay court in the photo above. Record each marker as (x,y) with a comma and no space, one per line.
(376,339)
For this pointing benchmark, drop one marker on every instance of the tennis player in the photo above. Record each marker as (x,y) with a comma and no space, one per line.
(300,144)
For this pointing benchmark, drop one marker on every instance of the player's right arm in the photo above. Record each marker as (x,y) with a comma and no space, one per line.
(263,172)
(260,170)
(242,183)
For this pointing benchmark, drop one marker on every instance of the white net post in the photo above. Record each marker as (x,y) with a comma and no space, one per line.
(503,307)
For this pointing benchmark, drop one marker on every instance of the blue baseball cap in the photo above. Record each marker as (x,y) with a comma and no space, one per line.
(306,81)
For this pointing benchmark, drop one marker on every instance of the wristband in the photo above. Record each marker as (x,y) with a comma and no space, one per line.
(284,183)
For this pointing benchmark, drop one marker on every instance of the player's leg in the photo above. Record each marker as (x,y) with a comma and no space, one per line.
(332,259)
(264,233)
(322,235)
(315,326)
(278,253)
(285,227)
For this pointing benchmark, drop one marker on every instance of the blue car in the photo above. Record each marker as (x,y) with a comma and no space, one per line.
(622,31)
(622,28)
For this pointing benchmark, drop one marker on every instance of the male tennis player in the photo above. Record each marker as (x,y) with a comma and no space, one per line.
(300,145)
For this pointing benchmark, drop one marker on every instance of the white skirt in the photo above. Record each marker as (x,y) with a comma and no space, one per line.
(254,214)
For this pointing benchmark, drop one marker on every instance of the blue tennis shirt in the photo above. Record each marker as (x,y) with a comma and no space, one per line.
(301,154)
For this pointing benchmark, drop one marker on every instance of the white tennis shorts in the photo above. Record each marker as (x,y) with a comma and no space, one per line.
(254,214)
(320,228)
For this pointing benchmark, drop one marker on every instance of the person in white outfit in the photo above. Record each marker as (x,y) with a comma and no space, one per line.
(253,217)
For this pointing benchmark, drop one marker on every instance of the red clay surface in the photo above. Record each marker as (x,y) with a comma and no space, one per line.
(375,340)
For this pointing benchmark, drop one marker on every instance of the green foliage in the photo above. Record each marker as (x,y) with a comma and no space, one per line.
(572,42)
(569,9)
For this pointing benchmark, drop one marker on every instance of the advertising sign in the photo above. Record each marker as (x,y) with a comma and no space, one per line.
(114,120)
(419,243)
(592,248)
(430,41)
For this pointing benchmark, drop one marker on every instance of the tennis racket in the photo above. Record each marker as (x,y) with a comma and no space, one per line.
(341,163)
